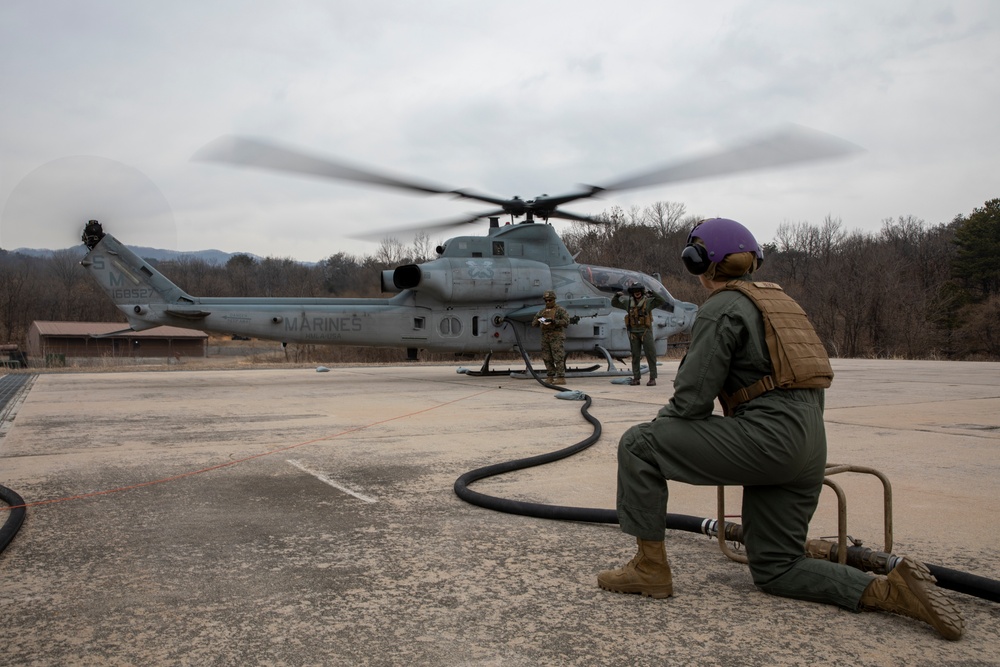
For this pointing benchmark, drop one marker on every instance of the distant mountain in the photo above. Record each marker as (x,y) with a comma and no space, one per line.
(209,256)
(217,257)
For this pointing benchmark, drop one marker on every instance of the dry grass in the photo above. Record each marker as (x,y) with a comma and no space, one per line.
(224,353)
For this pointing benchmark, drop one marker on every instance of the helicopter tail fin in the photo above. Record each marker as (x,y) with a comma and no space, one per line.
(130,282)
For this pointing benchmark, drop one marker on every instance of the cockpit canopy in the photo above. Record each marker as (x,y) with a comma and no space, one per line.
(609,280)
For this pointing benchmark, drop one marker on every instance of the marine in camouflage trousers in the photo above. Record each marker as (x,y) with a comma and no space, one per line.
(554,353)
(553,320)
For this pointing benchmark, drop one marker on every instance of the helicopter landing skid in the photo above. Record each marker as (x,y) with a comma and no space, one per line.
(591,371)
(485,370)
(525,374)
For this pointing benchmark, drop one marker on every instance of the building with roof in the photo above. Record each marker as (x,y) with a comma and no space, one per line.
(59,343)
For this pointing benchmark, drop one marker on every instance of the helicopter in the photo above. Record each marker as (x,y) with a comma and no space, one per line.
(477,297)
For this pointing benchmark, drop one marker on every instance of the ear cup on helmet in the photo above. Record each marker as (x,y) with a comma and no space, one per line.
(695,257)
(712,240)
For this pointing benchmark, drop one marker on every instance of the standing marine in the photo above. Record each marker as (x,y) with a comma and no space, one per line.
(752,347)
(553,319)
(638,307)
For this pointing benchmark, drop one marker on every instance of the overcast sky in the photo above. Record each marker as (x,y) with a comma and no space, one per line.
(102,105)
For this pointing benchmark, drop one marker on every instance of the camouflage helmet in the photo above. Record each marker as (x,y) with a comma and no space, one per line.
(549,294)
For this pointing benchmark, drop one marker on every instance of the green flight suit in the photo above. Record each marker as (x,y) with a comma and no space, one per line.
(640,337)
(774,446)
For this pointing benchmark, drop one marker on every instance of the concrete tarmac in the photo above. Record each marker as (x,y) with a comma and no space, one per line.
(289,517)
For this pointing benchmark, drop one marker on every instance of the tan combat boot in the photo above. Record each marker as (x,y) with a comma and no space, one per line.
(648,573)
(911,590)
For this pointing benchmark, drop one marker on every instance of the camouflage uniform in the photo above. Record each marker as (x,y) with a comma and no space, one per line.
(640,336)
(553,335)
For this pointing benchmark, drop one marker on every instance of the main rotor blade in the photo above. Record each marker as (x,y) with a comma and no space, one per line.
(428,227)
(246,152)
(566,215)
(468,194)
(790,145)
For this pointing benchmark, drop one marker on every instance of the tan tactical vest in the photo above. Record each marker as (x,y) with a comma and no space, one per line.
(798,358)
(637,316)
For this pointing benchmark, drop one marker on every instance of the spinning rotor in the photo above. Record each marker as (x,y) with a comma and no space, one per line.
(792,144)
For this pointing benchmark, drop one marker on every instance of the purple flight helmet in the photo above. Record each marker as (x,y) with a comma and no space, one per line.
(721,237)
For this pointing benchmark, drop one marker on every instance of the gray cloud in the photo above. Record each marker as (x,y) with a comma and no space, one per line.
(509,98)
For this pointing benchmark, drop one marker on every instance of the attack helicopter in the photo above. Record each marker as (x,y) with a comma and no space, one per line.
(477,297)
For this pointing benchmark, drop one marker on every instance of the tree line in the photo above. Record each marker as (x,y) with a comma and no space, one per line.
(908,290)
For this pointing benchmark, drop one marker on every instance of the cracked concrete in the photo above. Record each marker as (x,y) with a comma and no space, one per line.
(167,526)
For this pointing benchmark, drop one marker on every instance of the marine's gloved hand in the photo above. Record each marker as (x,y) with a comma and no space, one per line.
(574,319)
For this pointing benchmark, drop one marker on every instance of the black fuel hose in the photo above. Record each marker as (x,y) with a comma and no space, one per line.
(955,580)
(11,386)
(683,522)
(964,582)
(557,512)
(15,517)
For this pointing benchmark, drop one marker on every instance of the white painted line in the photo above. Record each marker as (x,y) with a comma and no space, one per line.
(326,480)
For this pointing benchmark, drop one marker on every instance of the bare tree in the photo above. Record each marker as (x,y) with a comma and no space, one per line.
(421,248)
(667,217)
(241,271)
(340,273)
(829,239)
(15,273)
(390,252)
(278,277)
